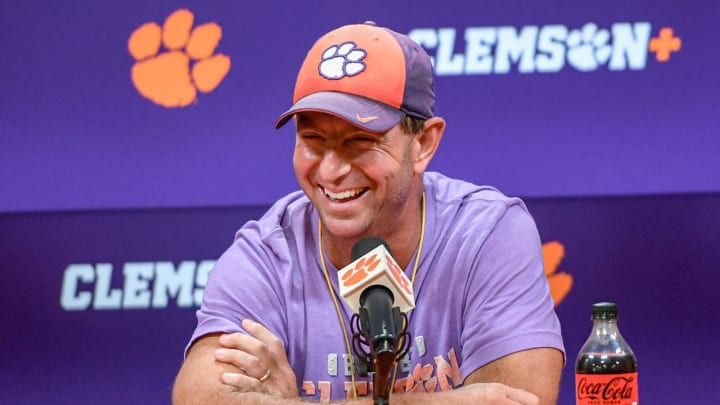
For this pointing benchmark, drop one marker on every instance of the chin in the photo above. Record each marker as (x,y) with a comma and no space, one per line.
(346,229)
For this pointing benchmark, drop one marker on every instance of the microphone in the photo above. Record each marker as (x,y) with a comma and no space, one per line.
(379,292)
(373,265)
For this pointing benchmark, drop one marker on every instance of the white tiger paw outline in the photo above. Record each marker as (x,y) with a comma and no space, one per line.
(344,60)
(589,48)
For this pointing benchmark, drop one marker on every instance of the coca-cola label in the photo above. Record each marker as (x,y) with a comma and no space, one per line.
(606,389)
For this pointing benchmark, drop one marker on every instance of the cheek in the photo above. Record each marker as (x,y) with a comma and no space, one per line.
(303,161)
(297,162)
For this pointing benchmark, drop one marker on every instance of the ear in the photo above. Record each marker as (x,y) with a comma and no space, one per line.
(426,143)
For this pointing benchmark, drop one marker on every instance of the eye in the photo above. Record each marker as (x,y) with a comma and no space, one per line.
(362,140)
(311,137)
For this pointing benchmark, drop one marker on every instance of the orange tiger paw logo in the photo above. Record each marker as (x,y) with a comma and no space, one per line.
(560,283)
(362,268)
(421,379)
(397,274)
(166,78)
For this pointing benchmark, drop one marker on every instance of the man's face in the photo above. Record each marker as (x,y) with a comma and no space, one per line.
(359,181)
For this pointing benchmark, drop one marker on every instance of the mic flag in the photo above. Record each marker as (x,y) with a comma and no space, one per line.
(373,264)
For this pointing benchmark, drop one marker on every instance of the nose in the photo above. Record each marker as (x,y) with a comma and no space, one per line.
(333,167)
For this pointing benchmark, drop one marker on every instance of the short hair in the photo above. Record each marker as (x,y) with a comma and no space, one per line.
(412,125)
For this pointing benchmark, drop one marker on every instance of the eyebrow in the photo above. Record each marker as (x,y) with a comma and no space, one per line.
(301,119)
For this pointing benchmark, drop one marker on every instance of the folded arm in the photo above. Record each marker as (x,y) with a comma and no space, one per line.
(535,370)
(226,369)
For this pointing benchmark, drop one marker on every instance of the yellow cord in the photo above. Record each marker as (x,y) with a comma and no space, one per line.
(337,306)
(412,282)
(337,309)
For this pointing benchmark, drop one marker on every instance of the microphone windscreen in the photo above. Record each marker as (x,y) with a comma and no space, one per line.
(365,245)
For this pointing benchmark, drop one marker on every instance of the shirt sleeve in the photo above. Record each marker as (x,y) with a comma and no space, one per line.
(243,284)
(508,303)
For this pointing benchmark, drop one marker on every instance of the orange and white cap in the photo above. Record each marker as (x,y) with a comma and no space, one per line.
(367,75)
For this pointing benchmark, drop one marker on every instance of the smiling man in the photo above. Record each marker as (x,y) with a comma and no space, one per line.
(272,329)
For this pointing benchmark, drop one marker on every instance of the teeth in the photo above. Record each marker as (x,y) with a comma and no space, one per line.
(343,195)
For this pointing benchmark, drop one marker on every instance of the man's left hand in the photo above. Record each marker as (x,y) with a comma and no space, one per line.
(262,359)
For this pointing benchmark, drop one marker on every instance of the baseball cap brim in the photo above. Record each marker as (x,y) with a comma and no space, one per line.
(359,111)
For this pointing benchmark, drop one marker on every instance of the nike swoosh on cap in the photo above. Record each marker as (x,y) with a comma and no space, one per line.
(365,120)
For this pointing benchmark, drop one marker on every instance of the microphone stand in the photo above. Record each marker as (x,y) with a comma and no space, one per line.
(384,349)
(384,362)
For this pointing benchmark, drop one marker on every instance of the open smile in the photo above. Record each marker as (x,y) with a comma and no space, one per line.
(344,196)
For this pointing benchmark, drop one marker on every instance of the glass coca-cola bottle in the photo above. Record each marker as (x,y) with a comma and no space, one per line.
(606,369)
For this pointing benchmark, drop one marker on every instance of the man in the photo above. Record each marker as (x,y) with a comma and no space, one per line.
(272,329)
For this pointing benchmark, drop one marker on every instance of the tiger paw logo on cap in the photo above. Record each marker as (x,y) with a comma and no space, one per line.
(166,78)
(342,60)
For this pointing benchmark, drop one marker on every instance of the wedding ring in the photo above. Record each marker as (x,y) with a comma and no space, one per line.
(265,376)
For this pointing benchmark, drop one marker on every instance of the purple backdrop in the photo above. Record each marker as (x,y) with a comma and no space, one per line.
(656,257)
(112,206)
(76,134)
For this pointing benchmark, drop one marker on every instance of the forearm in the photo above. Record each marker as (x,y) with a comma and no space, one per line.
(206,396)
(210,395)
(256,398)
(535,370)
(203,387)
(202,394)
(199,378)
(203,379)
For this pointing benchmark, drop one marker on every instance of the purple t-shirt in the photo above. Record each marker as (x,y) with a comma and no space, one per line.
(480,291)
